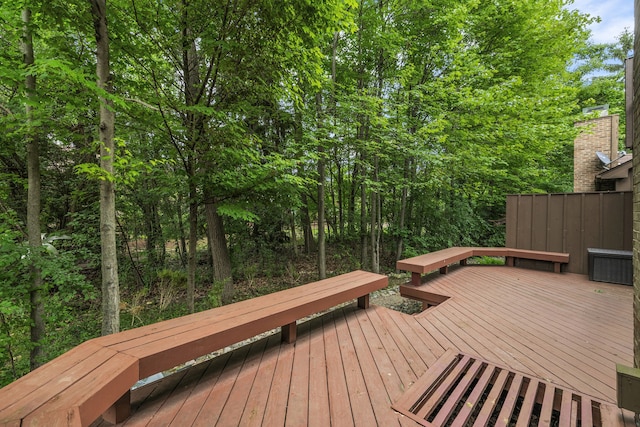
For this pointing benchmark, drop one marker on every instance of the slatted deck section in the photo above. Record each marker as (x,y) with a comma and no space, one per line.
(463,390)
(349,366)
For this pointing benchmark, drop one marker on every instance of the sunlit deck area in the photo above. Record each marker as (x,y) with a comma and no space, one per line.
(349,366)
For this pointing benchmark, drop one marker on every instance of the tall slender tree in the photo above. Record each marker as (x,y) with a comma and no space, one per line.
(33,195)
(110,280)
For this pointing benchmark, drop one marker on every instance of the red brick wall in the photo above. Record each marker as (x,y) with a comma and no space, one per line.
(600,134)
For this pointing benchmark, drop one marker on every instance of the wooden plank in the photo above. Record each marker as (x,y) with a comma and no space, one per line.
(611,416)
(257,401)
(566,407)
(144,412)
(493,252)
(177,393)
(586,411)
(527,404)
(239,394)
(83,391)
(319,414)
(365,349)
(214,404)
(434,260)
(297,409)
(425,346)
(276,409)
(415,366)
(547,406)
(424,409)
(27,393)
(509,403)
(339,404)
(389,359)
(492,399)
(200,393)
(474,398)
(434,374)
(452,401)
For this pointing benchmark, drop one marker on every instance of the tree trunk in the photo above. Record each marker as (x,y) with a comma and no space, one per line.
(182,241)
(307,232)
(403,209)
(375,223)
(219,252)
(194,128)
(363,220)
(110,284)
(33,201)
(322,259)
(294,235)
(193,244)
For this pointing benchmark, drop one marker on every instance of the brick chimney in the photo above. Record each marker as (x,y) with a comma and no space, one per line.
(599,134)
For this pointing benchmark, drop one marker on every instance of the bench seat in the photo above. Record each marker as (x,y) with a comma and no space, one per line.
(441,260)
(95,378)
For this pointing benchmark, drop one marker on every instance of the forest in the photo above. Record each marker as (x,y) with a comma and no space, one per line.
(163,157)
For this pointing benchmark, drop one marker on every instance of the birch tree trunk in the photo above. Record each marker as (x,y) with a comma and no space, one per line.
(110,284)
(33,199)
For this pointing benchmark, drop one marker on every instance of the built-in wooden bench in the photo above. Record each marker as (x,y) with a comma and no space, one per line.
(95,378)
(442,259)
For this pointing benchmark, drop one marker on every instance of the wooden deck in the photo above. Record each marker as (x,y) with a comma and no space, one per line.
(348,367)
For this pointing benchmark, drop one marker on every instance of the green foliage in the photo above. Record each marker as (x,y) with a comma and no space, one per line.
(599,76)
(487,260)
(64,286)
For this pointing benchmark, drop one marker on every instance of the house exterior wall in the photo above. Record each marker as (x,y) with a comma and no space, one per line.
(600,134)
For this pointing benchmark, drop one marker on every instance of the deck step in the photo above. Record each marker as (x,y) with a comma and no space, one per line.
(464,390)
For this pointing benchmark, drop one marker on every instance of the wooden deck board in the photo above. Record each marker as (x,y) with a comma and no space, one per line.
(339,405)
(297,411)
(350,365)
(372,375)
(259,394)
(213,405)
(319,414)
(191,407)
(358,393)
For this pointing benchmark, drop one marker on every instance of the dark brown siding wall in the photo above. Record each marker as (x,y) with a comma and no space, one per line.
(570,223)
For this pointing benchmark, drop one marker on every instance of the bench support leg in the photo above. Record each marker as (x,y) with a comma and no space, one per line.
(556,267)
(509,261)
(289,333)
(444,270)
(416,279)
(363,301)
(120,410)
(463,261)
